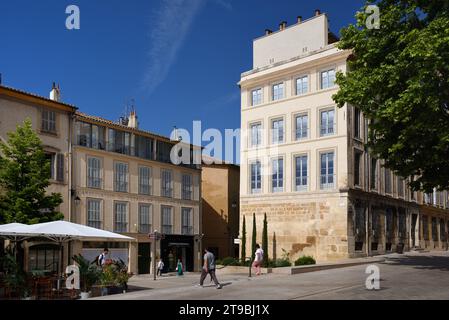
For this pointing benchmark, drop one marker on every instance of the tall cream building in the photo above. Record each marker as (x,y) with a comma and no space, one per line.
(304,164)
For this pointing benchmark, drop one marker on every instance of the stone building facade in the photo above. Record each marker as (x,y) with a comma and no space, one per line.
(303,160)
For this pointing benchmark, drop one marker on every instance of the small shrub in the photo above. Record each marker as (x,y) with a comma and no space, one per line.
(282,263)
(230,261)
(218,262)
(305,260)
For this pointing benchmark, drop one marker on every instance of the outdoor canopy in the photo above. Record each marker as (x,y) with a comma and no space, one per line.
(59,231)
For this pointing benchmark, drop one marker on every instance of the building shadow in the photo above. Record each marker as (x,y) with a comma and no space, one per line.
(423,262)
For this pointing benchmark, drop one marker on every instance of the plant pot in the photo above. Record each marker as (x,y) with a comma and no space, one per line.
(85,295)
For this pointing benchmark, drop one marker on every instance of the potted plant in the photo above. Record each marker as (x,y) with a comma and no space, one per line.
(15,277)
(107,279)
(89,275)
(122,275)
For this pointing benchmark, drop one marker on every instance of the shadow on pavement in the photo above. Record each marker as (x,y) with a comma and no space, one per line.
(424,262)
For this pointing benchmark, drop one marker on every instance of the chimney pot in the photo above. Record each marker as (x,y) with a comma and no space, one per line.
(283,25)
(55,93)
(317,12)
(268,31)
(299,19)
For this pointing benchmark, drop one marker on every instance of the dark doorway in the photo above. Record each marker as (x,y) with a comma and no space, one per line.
(414,220)
(174,247)
(144,260)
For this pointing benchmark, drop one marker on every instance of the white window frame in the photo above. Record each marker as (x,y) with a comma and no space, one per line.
(277,97)
(278,179)
(301,187)
(252,101)
(150,218)
(327,185)
(97,182)
(272,131)
(301,77)
(320,78)
(334,122)
(150,180)
(250,173)
(126,214)
(90,210)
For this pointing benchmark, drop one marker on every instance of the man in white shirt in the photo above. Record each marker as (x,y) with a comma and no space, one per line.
(258,259)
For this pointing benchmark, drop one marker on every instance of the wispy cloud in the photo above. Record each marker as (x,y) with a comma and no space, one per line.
(223,101)
(172,23)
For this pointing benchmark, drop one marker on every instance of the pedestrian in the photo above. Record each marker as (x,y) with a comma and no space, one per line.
(179,268)
(101,259)
(160,267)
(209,268)
(258,259)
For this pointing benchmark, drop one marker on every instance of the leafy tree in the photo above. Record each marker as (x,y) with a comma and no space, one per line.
(265,238)
(398,75)
(243,240)
(24,176)
(253,242)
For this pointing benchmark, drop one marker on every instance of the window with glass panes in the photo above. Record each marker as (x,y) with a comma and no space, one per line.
(327,79)
(400,187)
(387,180)
(277,177)
(301,173)
(186,187)
(278,91)
(256,134)
(302,85)
(166,220)
(327,122)
(277,130)
(356,123)
(94,173)
(357,168)
(121,217)
(145,218)
(327,170)
(302,126)
(121,177)
(256,97)
(144,180)
(166,184)
(374,174)
(425,227)
(256,177)
(48,121)
(94,213)
(186,221)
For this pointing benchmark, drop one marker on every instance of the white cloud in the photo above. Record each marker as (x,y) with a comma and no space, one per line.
(170,26)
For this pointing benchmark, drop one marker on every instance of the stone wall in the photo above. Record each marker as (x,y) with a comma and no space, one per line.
(315,227)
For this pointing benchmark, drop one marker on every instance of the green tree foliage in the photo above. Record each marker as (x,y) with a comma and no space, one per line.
(243,240)
(398,75)
(24,176)
(254,237)
(265,239)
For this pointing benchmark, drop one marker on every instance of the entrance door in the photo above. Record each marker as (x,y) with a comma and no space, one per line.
(144,260)
(413,231)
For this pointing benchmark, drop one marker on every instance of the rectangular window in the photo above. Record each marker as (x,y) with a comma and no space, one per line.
(356,123)
(277,178)
(277,131)
(302,85)
(98,137)
(327,79)
(387,173)
(374,175)
(327,170)
(167,226)
(302,126)
(400,187)
(60,167)
(121,177)
(301,173)
(51,158)
(144,147)
(145,218)
(256,177)
(256,97)
(94,173)
(166,184)
(186,187)
(357,168)
(278,91)
(94,213)
(48,121)
(121,217)
(434,229)
(144,180)
(425,227)
(256,134)
(327,122)
(186,221)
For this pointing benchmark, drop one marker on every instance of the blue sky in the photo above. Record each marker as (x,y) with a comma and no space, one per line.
(179,60)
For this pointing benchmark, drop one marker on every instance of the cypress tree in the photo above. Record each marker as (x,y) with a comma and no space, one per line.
(265,239)
(253,243)
(243,240)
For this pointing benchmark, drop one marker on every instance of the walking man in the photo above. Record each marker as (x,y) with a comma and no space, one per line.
(209,268)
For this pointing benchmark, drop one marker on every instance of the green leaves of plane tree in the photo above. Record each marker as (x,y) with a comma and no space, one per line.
(398,76)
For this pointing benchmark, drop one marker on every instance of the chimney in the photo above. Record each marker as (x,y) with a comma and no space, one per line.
(283,25)
(299,19)
(268,32)
(132,120)
(55,93)
(317,12)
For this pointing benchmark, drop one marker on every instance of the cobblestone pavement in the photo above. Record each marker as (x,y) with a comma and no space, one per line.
(409,276)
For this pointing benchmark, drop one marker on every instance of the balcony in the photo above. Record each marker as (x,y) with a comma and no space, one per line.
(327,181)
